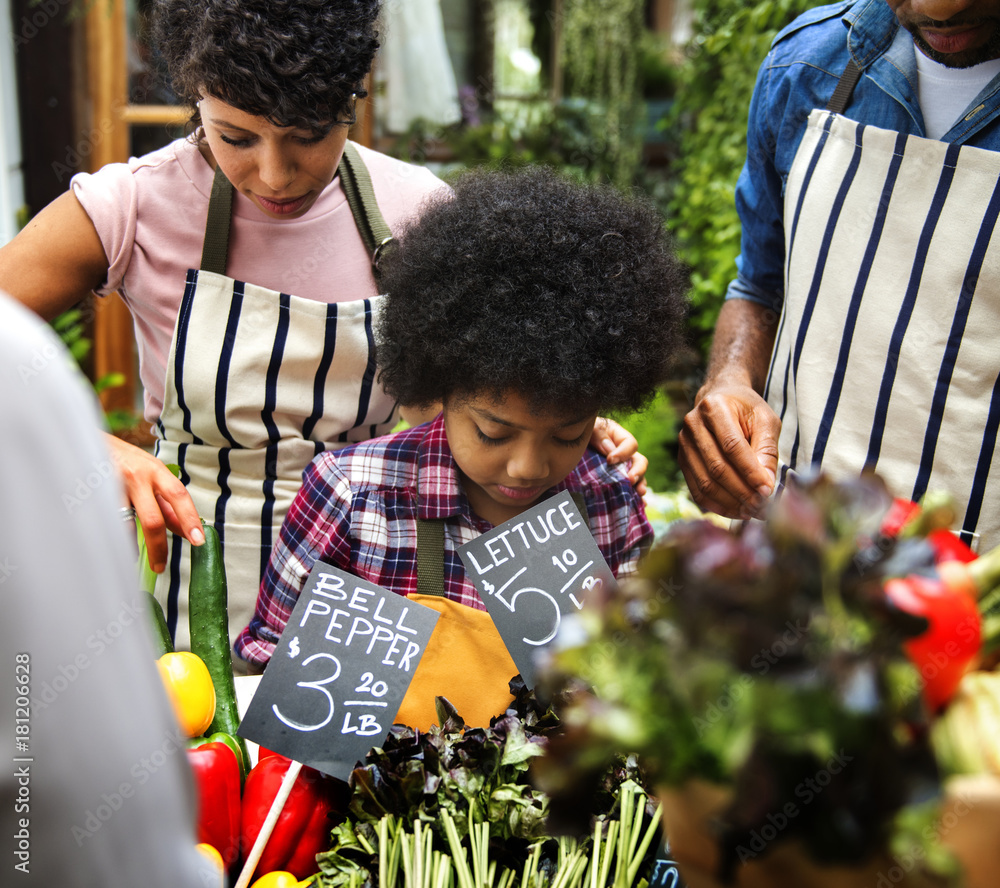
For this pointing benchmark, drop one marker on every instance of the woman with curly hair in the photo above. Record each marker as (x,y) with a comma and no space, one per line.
(526,305)
(247,264)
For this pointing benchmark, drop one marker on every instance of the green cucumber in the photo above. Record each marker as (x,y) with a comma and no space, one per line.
(208,623)
(162,642)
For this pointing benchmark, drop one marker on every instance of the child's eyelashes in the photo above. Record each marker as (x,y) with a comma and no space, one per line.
(495,442)
(576,442)
(486,439)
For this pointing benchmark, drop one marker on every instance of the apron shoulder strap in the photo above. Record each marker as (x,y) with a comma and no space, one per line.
(430,556)
(430,550)
(220,207)
(357,184)
(845,86)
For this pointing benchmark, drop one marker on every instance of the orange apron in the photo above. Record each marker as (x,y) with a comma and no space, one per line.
(465,660)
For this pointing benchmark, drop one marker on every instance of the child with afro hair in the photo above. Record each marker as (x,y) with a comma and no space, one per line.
(525,305)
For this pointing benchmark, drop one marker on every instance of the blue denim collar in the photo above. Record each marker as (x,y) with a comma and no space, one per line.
(886,53)
(873,28)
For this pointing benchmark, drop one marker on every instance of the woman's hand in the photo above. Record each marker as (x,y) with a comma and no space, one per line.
(160,500)
(619,445)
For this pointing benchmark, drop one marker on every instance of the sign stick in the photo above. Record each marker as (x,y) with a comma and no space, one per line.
(268,825)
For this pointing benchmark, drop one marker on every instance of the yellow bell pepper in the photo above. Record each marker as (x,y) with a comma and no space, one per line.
(215,858)
(190,689)
(281,879)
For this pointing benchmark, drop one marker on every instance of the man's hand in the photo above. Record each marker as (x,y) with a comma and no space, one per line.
(729,451)
(729,441)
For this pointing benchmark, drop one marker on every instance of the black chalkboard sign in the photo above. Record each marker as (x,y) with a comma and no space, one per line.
(339,672)
(665,873)
(532,570)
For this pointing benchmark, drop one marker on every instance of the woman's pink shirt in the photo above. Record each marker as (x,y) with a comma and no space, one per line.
(150,216)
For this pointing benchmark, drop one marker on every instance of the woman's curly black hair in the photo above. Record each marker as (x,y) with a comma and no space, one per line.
(569,295)
(296,62)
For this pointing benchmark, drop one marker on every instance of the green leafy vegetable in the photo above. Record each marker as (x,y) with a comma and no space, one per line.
(457,806)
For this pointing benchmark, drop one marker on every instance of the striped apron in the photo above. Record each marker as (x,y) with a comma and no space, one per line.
(886,356)
(258,383)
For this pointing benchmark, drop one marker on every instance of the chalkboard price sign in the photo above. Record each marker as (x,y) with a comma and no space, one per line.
(339,672)
(533,570)
(665,873)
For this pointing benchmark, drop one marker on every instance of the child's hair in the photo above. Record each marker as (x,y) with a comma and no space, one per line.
(296,62)
(569,295)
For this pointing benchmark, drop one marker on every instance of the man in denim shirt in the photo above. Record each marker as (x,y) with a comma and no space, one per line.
(859,332)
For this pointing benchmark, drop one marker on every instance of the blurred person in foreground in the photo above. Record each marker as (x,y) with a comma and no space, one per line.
(97,791)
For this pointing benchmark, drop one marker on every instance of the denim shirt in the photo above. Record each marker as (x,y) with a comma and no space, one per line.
(799,74)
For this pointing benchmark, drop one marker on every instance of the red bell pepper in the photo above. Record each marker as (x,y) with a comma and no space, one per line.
(948,546)
(217,776)
(961,583)
(315,805)
(232,742)
(907,518)
(900,513)
(950,644)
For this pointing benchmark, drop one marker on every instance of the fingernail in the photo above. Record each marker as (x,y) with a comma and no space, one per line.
(197,536)
(765,492)
(158,567)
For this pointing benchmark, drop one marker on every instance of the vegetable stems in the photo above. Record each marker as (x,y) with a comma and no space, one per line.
(652,831)
(595,854)
(459,857)
(383,852)
(609,845)
(621,843)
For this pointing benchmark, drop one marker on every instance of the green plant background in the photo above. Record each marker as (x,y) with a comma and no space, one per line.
(597,132)
(703,131)
(709,119)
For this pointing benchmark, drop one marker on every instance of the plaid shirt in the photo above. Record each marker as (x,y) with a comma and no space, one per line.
(358,509)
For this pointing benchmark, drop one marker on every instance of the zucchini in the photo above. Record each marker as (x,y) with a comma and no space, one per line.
(208,623)
(162,642)
(147,577)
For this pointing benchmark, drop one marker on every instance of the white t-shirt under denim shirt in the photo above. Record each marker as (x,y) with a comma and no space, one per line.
(946,93)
